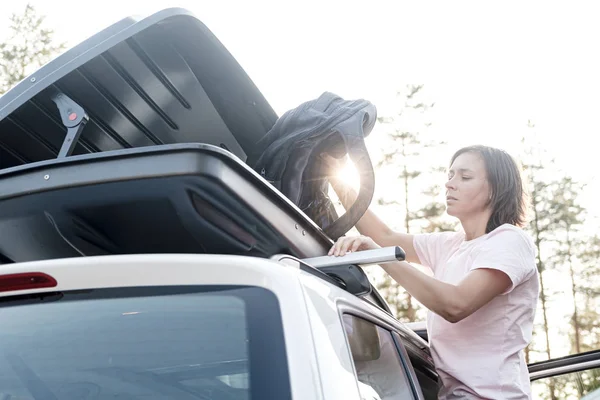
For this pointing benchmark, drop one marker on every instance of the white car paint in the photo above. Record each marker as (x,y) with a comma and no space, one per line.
(309,378)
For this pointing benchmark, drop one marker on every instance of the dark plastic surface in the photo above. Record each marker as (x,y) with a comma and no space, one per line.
(354,278)
(400,253)
(165,79)
(163,199)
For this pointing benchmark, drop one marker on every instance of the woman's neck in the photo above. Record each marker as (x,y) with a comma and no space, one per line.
(475,227)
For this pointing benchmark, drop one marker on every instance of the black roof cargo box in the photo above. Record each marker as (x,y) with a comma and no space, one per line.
(164,79)
(162,119)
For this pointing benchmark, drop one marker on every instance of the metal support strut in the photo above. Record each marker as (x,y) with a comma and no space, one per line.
(74,118)
(366,257)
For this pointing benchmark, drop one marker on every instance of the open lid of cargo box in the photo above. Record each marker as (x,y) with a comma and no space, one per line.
(135,141)
(164,79)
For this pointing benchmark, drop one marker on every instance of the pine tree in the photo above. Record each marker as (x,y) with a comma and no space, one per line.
(566,219)
(589,290)
(404,153)
(540,228)
(29,46)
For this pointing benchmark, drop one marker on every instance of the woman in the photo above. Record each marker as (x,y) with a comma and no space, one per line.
(483,294)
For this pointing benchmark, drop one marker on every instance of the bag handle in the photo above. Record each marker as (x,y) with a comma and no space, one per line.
(358,153)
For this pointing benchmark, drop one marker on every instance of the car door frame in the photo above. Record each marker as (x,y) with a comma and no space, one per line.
(564,365)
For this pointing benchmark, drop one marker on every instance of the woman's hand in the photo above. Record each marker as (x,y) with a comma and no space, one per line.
(352,243)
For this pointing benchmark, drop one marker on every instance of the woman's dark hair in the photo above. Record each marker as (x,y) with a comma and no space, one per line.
(508,200)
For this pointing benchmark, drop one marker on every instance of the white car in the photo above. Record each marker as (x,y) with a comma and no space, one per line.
(141,257)
(198,326)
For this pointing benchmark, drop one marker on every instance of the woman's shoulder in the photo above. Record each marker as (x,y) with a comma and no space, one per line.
(511,247)
(511,234)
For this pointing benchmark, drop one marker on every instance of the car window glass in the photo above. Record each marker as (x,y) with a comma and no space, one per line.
(157,342)
(379,369)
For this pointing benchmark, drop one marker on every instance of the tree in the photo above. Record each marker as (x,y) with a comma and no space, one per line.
(590,289)
(540,228)
(404,152)
(565,247)
(28,46)
(567,217)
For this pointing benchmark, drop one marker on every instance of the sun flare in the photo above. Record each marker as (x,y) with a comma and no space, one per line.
(349,174)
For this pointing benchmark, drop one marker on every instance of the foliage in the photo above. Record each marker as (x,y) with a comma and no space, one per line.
(30,45)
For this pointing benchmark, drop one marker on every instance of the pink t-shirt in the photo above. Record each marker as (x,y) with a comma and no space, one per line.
(482,357)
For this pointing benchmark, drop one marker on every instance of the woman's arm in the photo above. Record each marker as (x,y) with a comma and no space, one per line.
(452,302)
(372,226)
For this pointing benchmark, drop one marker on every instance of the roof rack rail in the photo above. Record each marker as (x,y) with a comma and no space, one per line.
(345,271)
(367,257)
(347,277)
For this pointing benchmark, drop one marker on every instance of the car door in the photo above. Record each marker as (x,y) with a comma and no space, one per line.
(572,377)
(380,363)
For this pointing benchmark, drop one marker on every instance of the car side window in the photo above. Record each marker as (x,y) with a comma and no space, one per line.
(575,385)
(428,383)
(379,369)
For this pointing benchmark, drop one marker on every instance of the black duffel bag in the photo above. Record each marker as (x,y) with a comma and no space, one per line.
(291,160)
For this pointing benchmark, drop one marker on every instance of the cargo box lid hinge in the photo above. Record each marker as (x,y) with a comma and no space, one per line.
(73,118)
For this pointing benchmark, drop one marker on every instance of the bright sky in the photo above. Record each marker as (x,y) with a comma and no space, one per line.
(489,67)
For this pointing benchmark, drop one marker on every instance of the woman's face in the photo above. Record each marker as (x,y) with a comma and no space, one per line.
(467,189)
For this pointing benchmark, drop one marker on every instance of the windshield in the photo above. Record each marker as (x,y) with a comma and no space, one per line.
(144,343)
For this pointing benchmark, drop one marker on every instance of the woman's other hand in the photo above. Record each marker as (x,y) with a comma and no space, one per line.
(347,244)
